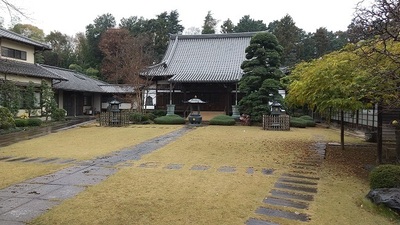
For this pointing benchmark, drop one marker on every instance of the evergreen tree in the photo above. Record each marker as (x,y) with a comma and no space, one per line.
(10,96)
(30,101)
(227,26)
(260,81)
(47,103)
(209,24)
(246,24)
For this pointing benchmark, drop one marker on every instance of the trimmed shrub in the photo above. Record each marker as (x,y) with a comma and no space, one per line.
(34,122)
(136,117)
(224,120)
(385,176)
(297,122)
(309,121)
(21,122)
(151,116)
(6,119)
(170,119)
(305,117)
(58,114)
(159,113)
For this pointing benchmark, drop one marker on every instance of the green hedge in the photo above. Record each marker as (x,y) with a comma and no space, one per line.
(169,119)
(385,176)
(30,122)
(297,122)
(224,120)
(6,119)
(302,122)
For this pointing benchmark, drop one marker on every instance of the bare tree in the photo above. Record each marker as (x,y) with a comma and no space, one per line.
(13,10)
(125,58)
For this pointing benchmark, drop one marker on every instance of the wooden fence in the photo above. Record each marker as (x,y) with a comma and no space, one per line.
(114,119)
(281,122)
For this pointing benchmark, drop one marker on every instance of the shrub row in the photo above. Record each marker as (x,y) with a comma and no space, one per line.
(169,119)
(385,176)
(302,122)
(224,120)
(30,122)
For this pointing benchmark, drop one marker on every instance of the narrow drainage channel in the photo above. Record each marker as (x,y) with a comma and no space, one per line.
(293,191)
(25,201)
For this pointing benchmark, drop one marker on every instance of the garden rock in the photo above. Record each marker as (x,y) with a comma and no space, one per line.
(390,197)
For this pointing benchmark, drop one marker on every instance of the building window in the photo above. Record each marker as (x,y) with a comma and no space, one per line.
(13,53)
(87,100)
(149,100)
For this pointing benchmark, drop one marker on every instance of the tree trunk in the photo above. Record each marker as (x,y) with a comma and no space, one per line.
(342,129)
(379,135)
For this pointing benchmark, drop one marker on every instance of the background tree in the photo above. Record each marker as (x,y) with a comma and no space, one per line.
(246,24)
(62,53)
(47,103)
(126,57)
(227,26)
(209,25)
(10,96)
(321,42)
(13,10)
(29,31)
(289,37)
(94,57)
(29,99)
(260,81)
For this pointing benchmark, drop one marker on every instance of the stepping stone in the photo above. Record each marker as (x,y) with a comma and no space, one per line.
(267,171)
(300,176)
(4,158)
(29,211)
(200,167)
(304,167)
(33,159)
(253,221)
(16,159)
(148,165)
(250,170)
(67,161)
(295,188)
(285,202)
(286,180)
(304,172)
(306,164)
(50,160)
(227,169)
(291,195)
(174,166)
(282,214)
(17,189)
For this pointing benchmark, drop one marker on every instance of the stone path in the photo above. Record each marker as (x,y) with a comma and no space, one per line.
(294,191)
(25,201)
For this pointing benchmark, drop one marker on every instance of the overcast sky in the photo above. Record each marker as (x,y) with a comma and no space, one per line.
(72,16)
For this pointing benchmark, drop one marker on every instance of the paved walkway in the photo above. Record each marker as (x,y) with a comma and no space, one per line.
(25,201)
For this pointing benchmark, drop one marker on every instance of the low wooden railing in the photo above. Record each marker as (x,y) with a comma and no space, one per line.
(281,122)
(114,119)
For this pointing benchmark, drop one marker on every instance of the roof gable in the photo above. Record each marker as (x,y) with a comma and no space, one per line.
(204,58)
(26,69)
(22,39)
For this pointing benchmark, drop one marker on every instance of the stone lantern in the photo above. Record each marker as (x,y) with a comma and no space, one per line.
(276,108)
(194,116)
(114,112)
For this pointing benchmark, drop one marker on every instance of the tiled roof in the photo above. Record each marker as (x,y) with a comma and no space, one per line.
(26,69)
(115,88)
(80,82)
(20,38)
(204,58)
(75,81)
